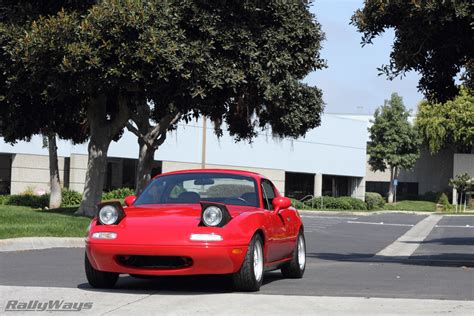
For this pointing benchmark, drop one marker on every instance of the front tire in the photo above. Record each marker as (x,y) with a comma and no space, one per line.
(99,279)
(250,276)
(295,268)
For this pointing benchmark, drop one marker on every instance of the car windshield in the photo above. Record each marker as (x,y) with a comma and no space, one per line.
(191,188)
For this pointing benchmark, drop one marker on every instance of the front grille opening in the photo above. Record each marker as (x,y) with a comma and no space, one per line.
(155,262)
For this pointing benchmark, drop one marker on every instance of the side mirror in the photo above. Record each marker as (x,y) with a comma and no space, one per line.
(281,203)
(130,199)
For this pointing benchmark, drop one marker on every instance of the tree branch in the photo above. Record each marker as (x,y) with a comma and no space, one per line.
(161,128)
(134,130)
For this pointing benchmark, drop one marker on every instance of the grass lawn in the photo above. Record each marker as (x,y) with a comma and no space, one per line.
(21,221)
(419,206)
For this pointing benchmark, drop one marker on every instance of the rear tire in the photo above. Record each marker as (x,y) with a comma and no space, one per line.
(295,268)
(99,279)
(250,276)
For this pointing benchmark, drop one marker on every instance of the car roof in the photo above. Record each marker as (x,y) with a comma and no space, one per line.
(229,171)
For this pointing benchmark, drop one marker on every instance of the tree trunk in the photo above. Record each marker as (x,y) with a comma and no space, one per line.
(150,138)
(54,182)
(102,131)
(391,186)
(145,165)
(96,168)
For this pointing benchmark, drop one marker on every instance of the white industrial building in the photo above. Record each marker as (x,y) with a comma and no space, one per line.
(330,160)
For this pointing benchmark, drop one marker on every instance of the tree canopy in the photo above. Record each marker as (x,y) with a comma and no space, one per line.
(432,37)
(81,68)
(239,63)
(448,124)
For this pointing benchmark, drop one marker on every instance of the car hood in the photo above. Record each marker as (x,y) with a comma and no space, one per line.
(179,215)
(169,224)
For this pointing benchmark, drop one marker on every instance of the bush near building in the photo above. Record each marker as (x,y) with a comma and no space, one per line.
(443,201)
(336,203)
(374,201)
(117,194)
(33,201)
(431,196)
(69,198)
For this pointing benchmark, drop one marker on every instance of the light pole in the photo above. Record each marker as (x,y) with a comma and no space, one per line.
(203,149)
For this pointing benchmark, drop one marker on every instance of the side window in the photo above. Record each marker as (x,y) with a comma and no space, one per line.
(267,194)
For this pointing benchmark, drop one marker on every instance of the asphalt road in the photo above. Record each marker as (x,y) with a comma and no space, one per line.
(340,262)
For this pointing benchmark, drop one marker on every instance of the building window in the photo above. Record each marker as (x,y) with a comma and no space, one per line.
(299,185)
(335,186)
(405,190)
(5,173)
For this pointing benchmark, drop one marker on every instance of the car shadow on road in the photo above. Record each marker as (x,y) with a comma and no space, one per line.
(177,285)
(439,259)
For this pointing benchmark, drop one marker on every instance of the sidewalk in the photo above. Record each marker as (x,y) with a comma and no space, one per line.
(177,303)
(33,243)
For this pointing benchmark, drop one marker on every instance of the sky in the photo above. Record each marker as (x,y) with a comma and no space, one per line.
(351,83)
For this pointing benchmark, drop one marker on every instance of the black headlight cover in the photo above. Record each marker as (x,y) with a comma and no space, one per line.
(115,204)
(225,214)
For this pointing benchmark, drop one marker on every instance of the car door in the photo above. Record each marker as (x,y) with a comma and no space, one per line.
(279,244)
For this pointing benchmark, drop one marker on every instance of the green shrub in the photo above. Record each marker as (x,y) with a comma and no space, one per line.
(70,198)
(3,199)
(355,204)
(28,191)
(431,196)
(444,202)
(337,204)
(34,201)
(316,202)
(298,204)
(374,201)
(340,203)
(117,194)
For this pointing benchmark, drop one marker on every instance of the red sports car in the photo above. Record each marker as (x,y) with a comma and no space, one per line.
(198,222)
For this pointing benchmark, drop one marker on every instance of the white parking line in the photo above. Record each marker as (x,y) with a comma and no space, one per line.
(381,223)
(407,244)
(328,217)
(454,226)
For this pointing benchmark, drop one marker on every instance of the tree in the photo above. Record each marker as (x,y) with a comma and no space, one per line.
(261,51)
(432,37)
(21,122)
(449,124)
(190,57)
(462,183)
(394,142)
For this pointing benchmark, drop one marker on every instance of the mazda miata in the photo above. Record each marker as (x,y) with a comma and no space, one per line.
(198,222)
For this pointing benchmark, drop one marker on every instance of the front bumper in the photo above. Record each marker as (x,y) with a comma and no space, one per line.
(206,258)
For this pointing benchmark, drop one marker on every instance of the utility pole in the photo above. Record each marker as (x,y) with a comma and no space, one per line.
(203,150)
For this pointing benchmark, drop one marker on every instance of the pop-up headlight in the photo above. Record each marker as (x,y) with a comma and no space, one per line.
(214,215)
(110,213)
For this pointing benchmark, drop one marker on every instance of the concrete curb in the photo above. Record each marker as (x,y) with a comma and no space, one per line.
(35,243)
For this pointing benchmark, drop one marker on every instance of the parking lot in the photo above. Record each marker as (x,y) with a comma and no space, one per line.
(343,261)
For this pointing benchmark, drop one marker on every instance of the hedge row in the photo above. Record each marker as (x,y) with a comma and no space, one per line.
(117,194)
(34,201)
(69,198)
(372,201)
